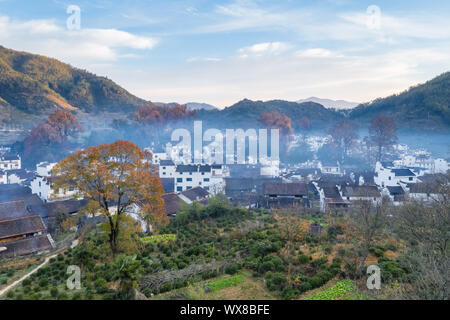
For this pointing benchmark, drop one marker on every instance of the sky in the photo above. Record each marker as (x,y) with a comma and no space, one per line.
(220,52)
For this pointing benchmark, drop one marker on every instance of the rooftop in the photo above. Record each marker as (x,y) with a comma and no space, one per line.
(285,189)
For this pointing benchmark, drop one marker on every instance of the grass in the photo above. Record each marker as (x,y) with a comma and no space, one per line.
(241,287)
(335,292)
(225,283)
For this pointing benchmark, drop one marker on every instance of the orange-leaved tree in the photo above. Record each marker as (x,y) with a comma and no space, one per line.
(118,179)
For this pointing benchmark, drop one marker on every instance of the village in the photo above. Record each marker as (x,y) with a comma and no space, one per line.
(30,207)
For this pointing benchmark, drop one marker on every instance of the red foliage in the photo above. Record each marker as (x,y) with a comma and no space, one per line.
(276,120)
(152,114)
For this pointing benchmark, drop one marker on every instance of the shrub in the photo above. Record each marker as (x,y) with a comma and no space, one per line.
(54,292)
(303,259)
(100,285)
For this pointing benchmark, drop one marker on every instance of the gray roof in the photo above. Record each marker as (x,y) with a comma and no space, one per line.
(196,194)
(361,191)
(403,173)
(166,163)
(26,246)
(285,189)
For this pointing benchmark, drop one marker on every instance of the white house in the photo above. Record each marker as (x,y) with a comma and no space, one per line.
(10,162)
(209,177)
(361,193)
(3,177)
(391,177)
(330,167)
(42,185)
(21,176)
(44,169)
(425,162)
(167,169)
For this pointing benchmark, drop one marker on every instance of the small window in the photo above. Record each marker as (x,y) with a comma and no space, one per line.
(179,179)
(179,189)
(411,179)
(206,179)
(189,179)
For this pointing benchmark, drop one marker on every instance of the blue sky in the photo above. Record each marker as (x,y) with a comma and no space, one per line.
(220,52)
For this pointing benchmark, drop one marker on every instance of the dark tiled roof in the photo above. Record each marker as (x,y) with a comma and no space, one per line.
(12,192)
(285,189)
(10,157)
(333,181)
(397,190)
(424,187)
(361,191)
(21,226)
(331,192)
(402,172)
(166,163)
(68,206)
(205,168)
(187,168)
(168,184)
(22,174)
(172,203)
(26,246)
(13,210)
(196,194)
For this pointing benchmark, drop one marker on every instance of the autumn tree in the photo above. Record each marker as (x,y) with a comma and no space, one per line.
(276,120)
(53,134)
(382,134)
(344,134)
(65,123)
(118,179)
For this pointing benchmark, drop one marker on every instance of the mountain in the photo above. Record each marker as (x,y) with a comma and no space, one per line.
(332,104)
(246,113)
(34,85)
(423,107)
(200,106)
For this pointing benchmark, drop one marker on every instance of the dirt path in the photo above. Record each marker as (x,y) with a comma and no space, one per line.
(17,282)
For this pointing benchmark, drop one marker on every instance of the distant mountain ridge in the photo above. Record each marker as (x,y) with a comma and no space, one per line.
(246,113)
(34,85)
(425,106)
(200,106)
(332,104)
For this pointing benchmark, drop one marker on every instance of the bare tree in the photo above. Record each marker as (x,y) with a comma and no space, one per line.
(344,134)
(426,228)
(369,221)
(383,134)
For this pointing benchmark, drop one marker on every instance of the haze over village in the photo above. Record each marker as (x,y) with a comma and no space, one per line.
(269,197)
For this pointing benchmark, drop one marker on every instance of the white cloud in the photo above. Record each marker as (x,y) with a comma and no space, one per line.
(262,49)
(316,53)
(80,47)
(207,59)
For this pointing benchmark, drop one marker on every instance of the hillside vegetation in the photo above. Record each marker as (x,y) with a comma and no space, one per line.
(34,84)
(424,106)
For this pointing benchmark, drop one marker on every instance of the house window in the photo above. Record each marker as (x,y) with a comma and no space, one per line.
(390,178)
(164,173)
(206,179)
(410,179)
(189,179)
(179,189)
(179,179)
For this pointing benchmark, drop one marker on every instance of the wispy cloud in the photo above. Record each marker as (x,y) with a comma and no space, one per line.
(263,49)
(77,46)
